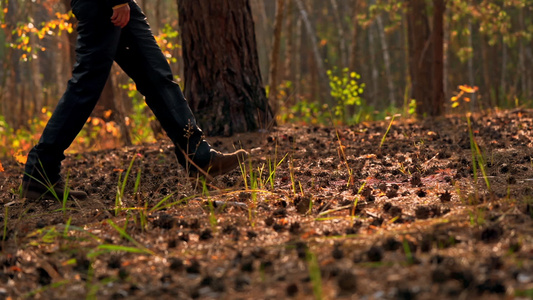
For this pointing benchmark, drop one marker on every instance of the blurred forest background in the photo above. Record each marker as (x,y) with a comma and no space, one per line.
(340,61)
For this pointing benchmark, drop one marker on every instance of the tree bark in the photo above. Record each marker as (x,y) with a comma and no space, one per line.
(420,57)
(222,78)
(274,57)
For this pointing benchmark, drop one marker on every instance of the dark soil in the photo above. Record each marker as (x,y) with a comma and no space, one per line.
(342,217)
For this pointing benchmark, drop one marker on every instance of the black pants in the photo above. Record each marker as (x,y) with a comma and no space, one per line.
(137,53)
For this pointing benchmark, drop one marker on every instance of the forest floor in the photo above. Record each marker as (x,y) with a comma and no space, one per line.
(319,212)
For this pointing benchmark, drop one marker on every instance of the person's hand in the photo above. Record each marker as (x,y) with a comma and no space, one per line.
(121,15)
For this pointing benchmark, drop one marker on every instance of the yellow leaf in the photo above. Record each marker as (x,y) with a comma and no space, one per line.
(455,104)
(454,98)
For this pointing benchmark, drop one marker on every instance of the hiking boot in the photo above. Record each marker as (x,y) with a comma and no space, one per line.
(33,190)
(222,163)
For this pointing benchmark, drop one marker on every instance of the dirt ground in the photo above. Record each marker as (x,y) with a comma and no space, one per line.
(316,213)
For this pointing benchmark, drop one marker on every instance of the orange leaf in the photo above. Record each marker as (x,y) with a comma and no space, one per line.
(15,269)
(466,99)
(468,89)
(107,113)
(1,167)
(20,158)
(308,234)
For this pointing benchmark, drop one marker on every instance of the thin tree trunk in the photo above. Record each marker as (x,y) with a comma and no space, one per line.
(37,95)
(503,77)
(314,44)
(340,29)
(289,50)
(120,109)
(274,57)
(420,56)
(438,57)
(486,70)
(9,85)
(263,30)
(298,59)
(353,46)
(386,60)
(373,64)
(157,23)
(470,63)
(35,70)
(522,59)
(529,56)
(446,60)
(407,96)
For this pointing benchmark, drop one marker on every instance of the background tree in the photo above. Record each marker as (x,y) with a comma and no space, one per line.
(221,68)
(485,43)
(420,55)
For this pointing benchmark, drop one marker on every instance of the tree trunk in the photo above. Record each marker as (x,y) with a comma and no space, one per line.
(522,59)
(446,58)
(263,30)
(503,75)
(489,89)
(438,58)
(353,46)
(373,64)
(274,57)
(298,60)
(222,78)
(120,109)
(10,65)
(314,44)
(420,57)
(340,29)
(470,64)
(157,23)
(289,50)
(386,60)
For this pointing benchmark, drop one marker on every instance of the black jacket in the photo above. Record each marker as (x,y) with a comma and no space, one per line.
(117,2)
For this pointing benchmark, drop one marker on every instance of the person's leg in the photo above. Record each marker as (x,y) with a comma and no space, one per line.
(141,58)
(95,51)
